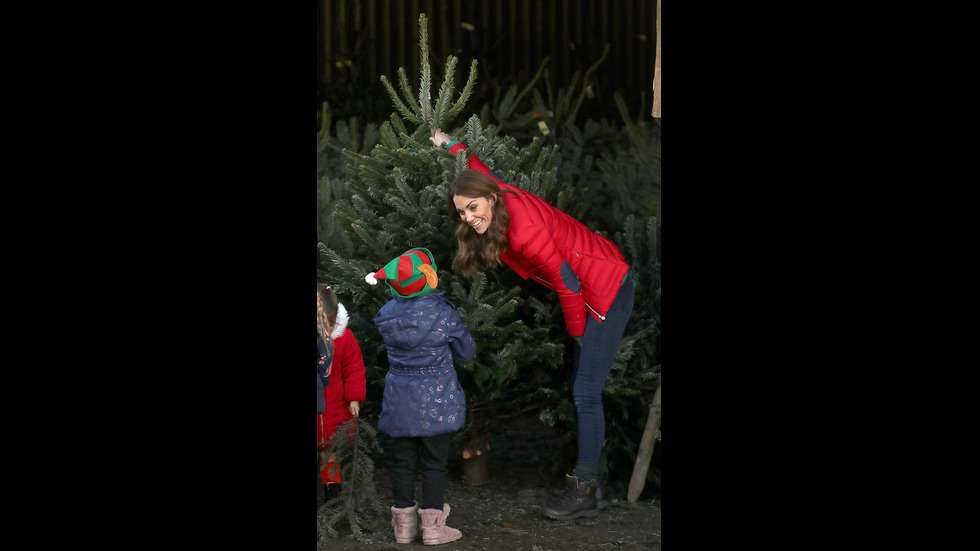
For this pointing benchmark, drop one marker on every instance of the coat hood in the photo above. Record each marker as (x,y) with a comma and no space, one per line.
(405,323)
(341,325)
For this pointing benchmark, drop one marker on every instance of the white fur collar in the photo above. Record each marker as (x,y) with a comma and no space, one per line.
(341,325)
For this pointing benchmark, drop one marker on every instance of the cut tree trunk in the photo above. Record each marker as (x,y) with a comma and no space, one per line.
(320,497)
(643,455)
(474,455)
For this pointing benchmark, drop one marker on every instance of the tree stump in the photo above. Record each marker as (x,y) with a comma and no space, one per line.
(474,455)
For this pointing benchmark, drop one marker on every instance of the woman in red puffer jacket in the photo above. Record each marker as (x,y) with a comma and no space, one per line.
(500,223)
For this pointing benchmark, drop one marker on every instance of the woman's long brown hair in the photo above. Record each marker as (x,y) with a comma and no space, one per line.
(476,249)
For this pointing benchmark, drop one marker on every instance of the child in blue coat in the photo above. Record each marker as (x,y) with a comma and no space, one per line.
(423,404)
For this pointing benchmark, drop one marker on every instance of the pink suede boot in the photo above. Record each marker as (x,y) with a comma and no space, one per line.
(406,523)
(434,529)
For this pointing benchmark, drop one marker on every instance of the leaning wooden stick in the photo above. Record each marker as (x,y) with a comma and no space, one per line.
(639,478)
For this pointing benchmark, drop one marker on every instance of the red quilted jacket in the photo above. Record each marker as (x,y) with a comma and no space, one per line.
(347,380)
(558,251)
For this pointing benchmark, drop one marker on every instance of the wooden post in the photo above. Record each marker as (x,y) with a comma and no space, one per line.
(645,452)
(656,76)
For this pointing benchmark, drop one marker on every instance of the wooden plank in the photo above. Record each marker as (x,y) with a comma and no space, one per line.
(341,40)
(527,37)
(445,38)
(644,39)
(456,21)
(645,451)
(371,21)
(604,25)
(386,58)
(319,42)
(327,39)
(534,57)
(656,72)
(485,36)
(626,41)
(566,39)
(404,49)
(512,33)
(412,46)
(554,35)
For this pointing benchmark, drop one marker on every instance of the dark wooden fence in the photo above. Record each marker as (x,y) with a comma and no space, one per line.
(509,38)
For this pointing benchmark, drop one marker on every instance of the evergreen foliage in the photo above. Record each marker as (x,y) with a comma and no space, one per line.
(502,111)
(631,171)
(397,202)
(358,503)
(329,183)
(384,192)
(422,111)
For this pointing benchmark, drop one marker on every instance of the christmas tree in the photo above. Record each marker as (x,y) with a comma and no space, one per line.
(358,503)
(394,199)
(391,196)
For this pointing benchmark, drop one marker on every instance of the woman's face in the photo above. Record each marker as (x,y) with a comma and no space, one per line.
(475,211)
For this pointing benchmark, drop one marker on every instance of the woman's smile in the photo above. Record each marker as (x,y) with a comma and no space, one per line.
(475,211)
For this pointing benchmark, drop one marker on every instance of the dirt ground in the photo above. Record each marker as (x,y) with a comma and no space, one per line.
(504,514)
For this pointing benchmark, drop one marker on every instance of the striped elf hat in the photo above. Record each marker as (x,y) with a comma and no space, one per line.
(411,274)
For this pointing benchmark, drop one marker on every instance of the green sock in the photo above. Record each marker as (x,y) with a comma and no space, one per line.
(587,472)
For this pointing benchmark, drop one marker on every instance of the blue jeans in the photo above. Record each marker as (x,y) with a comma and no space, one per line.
(592,362)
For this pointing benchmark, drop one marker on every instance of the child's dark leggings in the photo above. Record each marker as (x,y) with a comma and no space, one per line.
(408,456)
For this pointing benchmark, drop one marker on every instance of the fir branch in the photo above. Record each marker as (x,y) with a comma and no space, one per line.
(406,88)
(406,191)
(474,132)
(398,125)
(565,198)
(358,503)
(507,105)
(507,108)
(401,107)
(426,81)
(366,237)
(629,241)
(585,84)
(445,93)
(464,96)
(388,137)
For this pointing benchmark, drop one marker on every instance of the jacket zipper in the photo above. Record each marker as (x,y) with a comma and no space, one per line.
(601,317)
(598,315)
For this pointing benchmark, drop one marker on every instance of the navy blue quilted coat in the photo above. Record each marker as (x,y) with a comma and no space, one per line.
(422,395)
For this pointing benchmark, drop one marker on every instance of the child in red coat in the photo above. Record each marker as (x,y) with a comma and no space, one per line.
(343,396)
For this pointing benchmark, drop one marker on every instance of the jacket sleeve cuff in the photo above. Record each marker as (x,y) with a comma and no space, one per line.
(449,145)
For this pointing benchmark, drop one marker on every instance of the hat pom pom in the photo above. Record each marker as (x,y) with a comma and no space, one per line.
(370,279)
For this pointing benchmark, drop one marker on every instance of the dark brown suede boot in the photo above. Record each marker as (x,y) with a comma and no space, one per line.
(600,496)
(579,500)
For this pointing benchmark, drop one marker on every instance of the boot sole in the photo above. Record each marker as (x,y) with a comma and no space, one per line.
(440,542)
